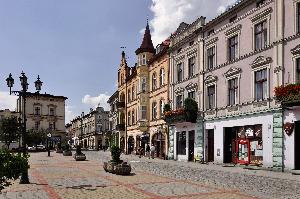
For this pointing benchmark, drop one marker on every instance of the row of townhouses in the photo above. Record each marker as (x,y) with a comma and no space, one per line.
(242,69)
(90,130)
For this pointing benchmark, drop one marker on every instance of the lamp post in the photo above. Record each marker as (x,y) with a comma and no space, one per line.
(48,144)
(81,130)
(22,95)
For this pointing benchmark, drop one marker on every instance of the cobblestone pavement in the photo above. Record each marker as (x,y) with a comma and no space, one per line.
(62,177)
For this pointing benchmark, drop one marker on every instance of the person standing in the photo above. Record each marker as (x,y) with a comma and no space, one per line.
(152,151)
(148,151)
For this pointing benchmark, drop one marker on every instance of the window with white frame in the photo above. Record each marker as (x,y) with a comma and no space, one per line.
(298,70)
(154,81)
(260,35)
(211,94)
(179,103)
(143,84)
(180,72)
(143,59)
(211,57)
(154,110)
(128,95)
(51,111)
(232,48)
(161,105)
(51,125)
(232,91)
(133,93)
(133,117)
(128,118)
(162,77)
(191,63)
(261,83)
(37,110)
(143,112)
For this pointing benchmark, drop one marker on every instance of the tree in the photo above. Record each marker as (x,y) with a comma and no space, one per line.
(11,167)
(35,137)
(191,109)
(10,130)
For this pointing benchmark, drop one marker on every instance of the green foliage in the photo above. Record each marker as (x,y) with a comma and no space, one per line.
(35,137)
(11,167)
(191,109)
(167,107)
(10,130)
(115,154)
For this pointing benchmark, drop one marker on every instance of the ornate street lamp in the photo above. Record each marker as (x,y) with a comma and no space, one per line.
(22,95)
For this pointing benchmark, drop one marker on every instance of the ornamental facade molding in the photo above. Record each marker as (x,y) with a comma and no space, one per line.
(260,61)
(179,91)
(296,50)
(192,86)
(212,41)
(210,79)
(261,15)
(233,30)
(232,71)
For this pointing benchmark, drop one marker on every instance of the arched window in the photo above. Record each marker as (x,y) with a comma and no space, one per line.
(154,81)
(154,111)
(129,99)
(162,77)
(161,105)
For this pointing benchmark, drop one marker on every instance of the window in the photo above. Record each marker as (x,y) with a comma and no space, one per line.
(298,17)
(298,70)
(232,91)
(261,84)
(162,77)
(232,19)
(211,96)
(260,2)
(144,59)
(161,105)
(129,121)
(212,31)
(179,72)
(51,112)
(133,93)
(154,81)
(191,95)
(181,143)
(52,126)
(144,112)
(211,58)
(128,95)
(37,110)
(154,111)
(37,125)
(143,84)
(260,35)
(178,101)
(133,117)
(232,47)
(191,62)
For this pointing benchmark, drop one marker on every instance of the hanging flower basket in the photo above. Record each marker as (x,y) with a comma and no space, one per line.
(288,128)
(288,93)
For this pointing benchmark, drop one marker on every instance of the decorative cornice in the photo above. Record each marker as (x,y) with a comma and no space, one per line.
(232,71)
(192,52)
(233,30)
(179,58)
(192,86)
(210,79)
(296,50)
(278,69)
(212,41)
(179,91)
(261,15)
(260,61)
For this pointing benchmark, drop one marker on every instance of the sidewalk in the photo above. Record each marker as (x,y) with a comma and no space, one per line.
(62,177)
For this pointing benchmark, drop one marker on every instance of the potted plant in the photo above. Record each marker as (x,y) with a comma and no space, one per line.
(116,165)
(67,150)
(79,156)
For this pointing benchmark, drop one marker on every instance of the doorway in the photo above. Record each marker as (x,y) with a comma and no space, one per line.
(210,145)
(297,145)
(130,144)
(159,142)
(229,145)
(191,145)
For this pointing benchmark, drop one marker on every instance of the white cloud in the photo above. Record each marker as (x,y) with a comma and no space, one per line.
(168,14)
(69,113)
(94,101)
(8,101)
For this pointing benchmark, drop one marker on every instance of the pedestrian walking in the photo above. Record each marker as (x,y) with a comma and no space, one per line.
(152,151)
(148,151)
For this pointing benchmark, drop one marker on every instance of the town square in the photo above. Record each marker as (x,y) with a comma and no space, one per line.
(150,99)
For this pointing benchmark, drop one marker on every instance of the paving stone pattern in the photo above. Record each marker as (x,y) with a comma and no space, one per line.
(62,177)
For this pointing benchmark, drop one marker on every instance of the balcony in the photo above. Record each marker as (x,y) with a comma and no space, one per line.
(120,127)
(288,95)
(120,105)
(179,116)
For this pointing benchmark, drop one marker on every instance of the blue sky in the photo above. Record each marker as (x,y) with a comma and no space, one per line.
(74,45)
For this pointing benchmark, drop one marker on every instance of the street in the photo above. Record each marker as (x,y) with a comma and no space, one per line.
(61,176)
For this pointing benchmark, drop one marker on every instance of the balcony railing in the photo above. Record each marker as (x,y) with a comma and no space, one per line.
(120,127)
(120,105)
(179,116)
(288,95)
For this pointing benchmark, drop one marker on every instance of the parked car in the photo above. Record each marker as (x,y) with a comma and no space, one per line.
(40,148)
(31,148)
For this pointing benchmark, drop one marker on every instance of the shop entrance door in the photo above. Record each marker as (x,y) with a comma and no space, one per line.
(297,145)
(229,148)
(191,145)
(210,145)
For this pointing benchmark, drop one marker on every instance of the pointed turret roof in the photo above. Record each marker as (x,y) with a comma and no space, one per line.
(147,45)
(123,60)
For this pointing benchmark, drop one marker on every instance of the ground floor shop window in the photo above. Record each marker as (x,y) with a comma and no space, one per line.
(181,143)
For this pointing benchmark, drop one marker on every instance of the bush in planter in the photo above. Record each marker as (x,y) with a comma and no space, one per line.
(79,156)
(115,154)
(67,150)
(191,109)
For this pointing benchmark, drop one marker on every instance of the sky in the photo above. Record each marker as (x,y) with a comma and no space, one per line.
(75,45)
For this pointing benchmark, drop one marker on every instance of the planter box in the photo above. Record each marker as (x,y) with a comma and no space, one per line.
(117,168)
(79,157)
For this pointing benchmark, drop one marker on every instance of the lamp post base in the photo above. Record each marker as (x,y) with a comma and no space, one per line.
(24,178)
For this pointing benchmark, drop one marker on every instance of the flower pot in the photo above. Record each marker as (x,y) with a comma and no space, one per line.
(123,169)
